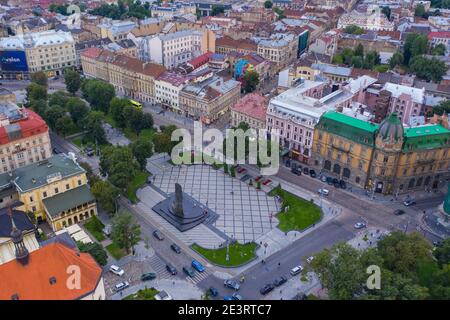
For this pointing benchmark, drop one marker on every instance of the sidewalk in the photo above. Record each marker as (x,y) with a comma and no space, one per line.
(294,287)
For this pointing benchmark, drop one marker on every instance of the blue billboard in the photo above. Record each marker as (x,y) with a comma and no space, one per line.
(13,61)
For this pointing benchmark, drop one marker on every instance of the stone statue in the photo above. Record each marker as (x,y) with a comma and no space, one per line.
(177,206)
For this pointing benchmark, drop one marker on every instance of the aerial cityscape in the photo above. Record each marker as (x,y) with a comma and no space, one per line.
(225,150)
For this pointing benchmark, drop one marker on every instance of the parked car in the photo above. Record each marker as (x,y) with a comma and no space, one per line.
(312,173)
(266,289)
(305,170)
(232,284)
(172,270)
(163,295)
(245,177)
(189,271)
(121,286)
(89,151)
(409,202)
(329,180)
(342,184)
(336,183)
(213,291)
(148,276)
(158,235)
(359,225)
(323,178)
(267,182)
(116,270)
(279,281)
(296,171)
(198,266)
(258,178)
(242,170)
(323,191)
(175,248)
(296,270)
(310,259)
(236,296)
(399,212)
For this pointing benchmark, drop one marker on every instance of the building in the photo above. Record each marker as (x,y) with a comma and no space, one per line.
(176,48)
(440,37)
(115,30)
(407,102)
(49,51)
(208,100)
(281,49)
(130,76)
(372,19)
(170,10)
(54,190)
(24,137)
(205,7)
(44,274)
(167,90)
(250,109)
(386,158)
(227,44)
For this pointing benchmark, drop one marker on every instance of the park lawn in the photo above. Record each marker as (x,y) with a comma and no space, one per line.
(301,213)
(139,180)
(116,251)
(240,254)
(95,227)
(143,294)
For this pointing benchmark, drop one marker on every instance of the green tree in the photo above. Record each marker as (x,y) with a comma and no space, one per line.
(268,4)
(442,107)
(39,78)
(387,12)
(119,164)
(162,142)
(93,125)
(396,60)
(106,195)
(347,55)
(58,98)
(371,59)
(353,29)
(141,151)
(428,69)
(39,106)
(419,11)
(64,125)
(357,61)
(95,250)
(442,253)
(36,92)
(415,44)
(52,114)
(98,93)
(92,178)
(438,50)
(116,110)
(78,109)
(125,230)
(251,81)
(72,80)
(217,9)
(359,50)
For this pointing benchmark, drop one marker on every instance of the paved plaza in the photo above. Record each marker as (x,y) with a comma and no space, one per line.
(244,212)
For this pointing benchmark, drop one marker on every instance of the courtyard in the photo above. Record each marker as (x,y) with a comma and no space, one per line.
(245,214)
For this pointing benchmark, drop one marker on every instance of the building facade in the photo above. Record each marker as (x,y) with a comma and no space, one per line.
(250,109)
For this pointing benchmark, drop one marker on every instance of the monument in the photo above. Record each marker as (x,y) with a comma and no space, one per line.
(444,210)
(181,210)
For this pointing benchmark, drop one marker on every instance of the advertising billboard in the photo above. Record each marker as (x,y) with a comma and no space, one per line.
(13,61)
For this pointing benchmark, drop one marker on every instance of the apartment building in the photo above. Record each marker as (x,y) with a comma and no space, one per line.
(407,102)
(208,100)
(49,51)
(24,137)
(280,49)
(130,76)
(167,90)
(250,109)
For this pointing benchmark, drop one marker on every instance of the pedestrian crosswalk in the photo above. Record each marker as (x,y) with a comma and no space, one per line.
(199,276)
(159,267)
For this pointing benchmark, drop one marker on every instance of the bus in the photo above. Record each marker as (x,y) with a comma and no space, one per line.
(136,104)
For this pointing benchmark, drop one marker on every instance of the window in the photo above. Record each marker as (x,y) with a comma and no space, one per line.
(79,182)
(31,199)
(44,194)
(56,190)
(67,186)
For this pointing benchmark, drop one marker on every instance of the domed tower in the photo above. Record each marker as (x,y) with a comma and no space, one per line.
(22,253)
(388,145)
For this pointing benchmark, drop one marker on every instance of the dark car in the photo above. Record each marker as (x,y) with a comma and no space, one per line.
(312,173)
(279,281)
(56,151)
(342,184)
(172,270)
(158,235)
(305,170)
(148,276)
(266,289)
(336,182)
(89,151)
(296,171)
(330,180)
(213,291)
(399,212)
(175,248)
(189,271)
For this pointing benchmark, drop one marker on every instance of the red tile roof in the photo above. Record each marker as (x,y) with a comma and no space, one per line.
(236,44)
(92,53)
(29,126)
(439,34)
(253,105)
(32,281)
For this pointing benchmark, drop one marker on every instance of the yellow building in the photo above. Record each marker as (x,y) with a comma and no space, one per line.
(387,158)
(55,190)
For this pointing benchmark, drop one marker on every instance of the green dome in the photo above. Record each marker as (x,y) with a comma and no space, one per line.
(391,128)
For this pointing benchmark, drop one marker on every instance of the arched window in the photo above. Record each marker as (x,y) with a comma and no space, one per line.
(337,169)
(346,173)
(327,165)
(357,179)
(411,183)
(419,182)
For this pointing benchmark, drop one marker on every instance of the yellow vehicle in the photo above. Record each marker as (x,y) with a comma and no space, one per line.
(136,104)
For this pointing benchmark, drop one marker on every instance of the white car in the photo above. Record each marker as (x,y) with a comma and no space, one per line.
(310,259)
(121,286)
(323,191)
(296,270)
(116,270)
(163,295)
(359,225)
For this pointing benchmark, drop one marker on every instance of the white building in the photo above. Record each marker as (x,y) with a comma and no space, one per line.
(49,51)
(172,49)
(372,19)
(167,89)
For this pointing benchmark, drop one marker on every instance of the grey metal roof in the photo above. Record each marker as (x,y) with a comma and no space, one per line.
(68,200)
